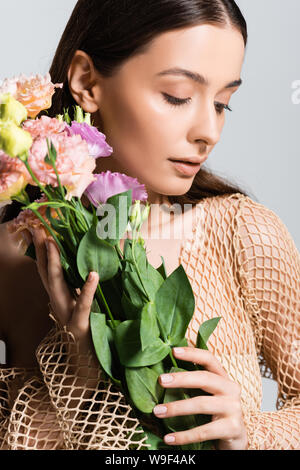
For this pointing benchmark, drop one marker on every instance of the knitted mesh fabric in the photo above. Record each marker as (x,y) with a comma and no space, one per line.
(243,266)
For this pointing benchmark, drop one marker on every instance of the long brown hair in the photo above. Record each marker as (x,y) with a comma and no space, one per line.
(111,32)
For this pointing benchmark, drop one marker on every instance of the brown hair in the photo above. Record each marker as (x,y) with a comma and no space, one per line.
(111,32)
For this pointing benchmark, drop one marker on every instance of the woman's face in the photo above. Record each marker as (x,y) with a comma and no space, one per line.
(145,130)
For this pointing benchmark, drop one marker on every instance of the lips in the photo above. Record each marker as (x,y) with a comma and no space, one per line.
(188,169)
(189,160)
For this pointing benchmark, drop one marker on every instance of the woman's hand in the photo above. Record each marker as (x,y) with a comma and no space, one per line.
(227,426)
(74,314)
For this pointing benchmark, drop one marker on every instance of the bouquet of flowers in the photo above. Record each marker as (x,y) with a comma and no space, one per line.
(139,313)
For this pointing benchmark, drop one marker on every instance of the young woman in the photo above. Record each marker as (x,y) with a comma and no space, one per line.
(157,78)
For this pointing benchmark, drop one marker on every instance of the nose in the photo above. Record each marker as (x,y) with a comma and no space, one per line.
(207,125)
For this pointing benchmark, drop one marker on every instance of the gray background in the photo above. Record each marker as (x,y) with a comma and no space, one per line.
(259,148)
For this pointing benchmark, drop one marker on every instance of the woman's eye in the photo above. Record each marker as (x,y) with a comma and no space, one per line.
(179,102)
(220,107)
(175,101)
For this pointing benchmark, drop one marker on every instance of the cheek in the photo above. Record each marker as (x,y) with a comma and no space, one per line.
(139,131)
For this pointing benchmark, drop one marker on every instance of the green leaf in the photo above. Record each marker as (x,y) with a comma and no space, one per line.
(142,385)
(131,311)
(110,323)
(137,262)
(133,289)
(128,344)
(128,251)
(205,330)
(117,226)
(152,281)
(162,269)
(149,329)
(140,257)
(182,343)
(96,255)
(158,368)
(175,305)
(100,334)
(95,306)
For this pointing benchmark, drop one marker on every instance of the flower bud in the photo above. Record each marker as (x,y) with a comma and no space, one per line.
(128,228)
(78,115)
(141,242)
(14,141)
(87,118)
(135,215)
(145,213)
(60,118)
(66,117)
(11,109)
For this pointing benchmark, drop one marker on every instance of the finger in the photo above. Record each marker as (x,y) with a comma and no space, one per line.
(207,381)
(202,357)
(81,314)
(27,236)
(60,296)
(225,428)
(39,237)
(210,405)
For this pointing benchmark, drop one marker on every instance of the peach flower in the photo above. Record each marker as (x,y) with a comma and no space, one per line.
(13,178)
(74,164)
(27,221)
(34,92)
(43,127)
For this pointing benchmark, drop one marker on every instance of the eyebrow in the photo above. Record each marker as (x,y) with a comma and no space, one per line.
(196,77)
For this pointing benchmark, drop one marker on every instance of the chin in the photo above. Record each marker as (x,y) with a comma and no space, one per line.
(177,187)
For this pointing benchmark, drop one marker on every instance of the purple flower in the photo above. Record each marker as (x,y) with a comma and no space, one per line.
(109,184)
(98,147)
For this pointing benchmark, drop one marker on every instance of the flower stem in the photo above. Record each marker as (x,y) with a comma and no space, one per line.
(99,291)
(173,360)
(119,251)
(56,172)
(80,215)
(42,188)
(51,231)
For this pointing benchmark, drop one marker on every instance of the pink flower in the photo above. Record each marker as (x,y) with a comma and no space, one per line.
(44,127)
(13,178)
(109,184)
(98,147)
(34,92)
(74,164)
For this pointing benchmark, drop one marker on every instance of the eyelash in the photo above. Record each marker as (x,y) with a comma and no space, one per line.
(180,102)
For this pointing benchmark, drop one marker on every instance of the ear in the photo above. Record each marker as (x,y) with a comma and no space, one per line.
(84,82)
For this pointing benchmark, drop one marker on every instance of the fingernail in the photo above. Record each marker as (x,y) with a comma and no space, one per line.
(92,276)
(178,350)
(169,438)
(160,410)
(166,378)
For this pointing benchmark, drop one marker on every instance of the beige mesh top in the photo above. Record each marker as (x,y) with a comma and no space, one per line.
(243,266)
